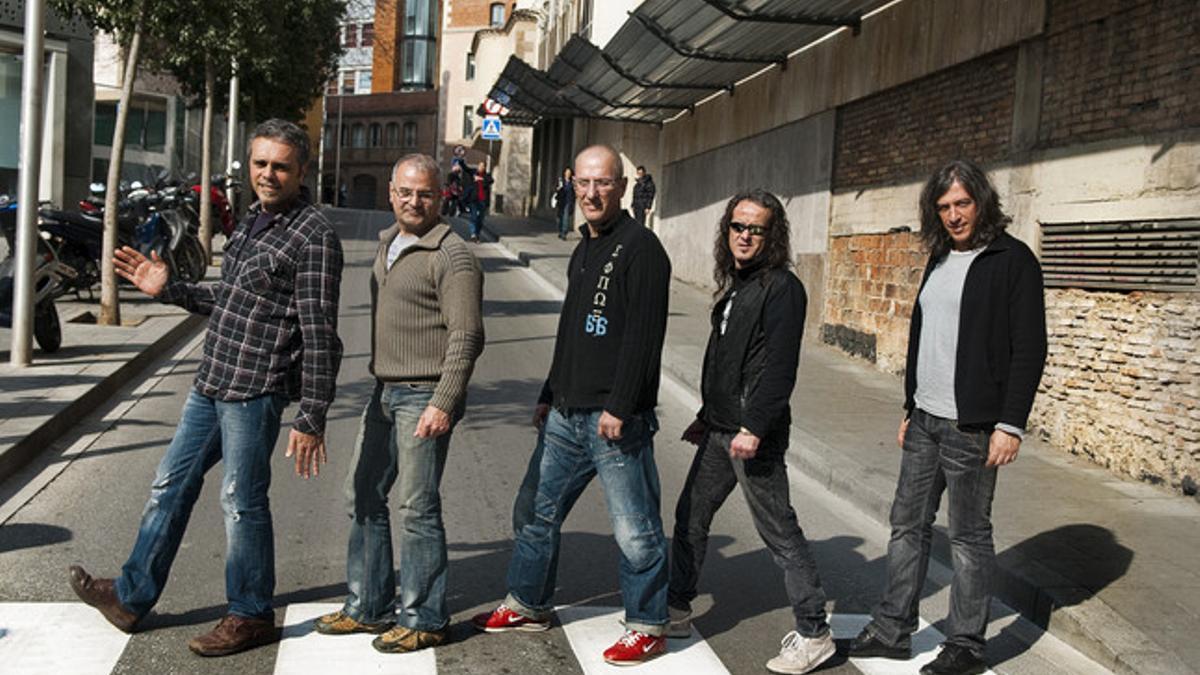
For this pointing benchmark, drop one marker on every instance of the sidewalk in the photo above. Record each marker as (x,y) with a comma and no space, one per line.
(1100,561)
(41,402)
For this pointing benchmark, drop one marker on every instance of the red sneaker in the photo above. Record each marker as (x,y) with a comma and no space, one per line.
(634,648)
(504,619)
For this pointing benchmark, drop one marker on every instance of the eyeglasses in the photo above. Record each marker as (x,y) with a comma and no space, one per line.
(754,230)
(406,194)
(601,184)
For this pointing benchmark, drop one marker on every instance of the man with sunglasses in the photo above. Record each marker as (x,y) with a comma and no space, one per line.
(596,412)
(741,430)
(427,331)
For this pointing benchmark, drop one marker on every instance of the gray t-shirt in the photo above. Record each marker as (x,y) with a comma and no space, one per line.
(941,300)
(401,242)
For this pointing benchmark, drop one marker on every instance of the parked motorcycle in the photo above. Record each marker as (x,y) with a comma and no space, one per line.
(50,280)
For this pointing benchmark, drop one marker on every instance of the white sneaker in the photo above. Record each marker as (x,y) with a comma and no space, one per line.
(799,654)
(681,623)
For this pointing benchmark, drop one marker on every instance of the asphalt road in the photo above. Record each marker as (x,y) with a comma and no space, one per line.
(86,511)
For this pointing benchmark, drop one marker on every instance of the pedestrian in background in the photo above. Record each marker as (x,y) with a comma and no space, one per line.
(564,202)
(478,195)
(976,348)
(452,190)
(271,337)
(427,318)
(643,195)
(742,429)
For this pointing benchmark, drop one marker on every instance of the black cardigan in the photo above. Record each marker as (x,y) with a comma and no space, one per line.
(1001,337)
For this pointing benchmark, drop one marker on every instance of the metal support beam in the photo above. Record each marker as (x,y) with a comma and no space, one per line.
(651,84)
(28,175)
(853,21)
(632,106)
(693,53)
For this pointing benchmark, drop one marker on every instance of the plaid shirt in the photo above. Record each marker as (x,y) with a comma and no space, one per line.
(272,324)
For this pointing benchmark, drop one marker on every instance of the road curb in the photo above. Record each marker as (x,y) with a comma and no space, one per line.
(1075,615)
(42,437)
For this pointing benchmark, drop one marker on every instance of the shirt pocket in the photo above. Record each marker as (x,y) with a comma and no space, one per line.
(264,272)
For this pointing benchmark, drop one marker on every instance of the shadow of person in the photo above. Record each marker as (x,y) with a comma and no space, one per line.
(1057,568)
(14,536)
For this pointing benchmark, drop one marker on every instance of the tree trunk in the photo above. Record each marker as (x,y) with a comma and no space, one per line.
(110,305)
(206,232)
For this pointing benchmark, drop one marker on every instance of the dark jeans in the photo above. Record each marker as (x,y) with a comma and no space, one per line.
(639,214)
(765,484)
(938,457)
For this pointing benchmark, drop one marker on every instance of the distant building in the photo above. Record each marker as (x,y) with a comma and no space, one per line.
(383,102)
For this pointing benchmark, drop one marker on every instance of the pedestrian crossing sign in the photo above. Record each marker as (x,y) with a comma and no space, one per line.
(491,128)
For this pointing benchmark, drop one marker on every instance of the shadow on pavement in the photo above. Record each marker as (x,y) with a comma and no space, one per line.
(15,536)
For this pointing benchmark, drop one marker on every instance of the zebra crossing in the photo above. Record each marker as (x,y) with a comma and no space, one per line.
(28,648)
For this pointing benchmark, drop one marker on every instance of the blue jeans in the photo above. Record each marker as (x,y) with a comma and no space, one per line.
(243,434)
(765,485)
(564,220)
(386,450)
(572,454)
(939,457)
(478,211)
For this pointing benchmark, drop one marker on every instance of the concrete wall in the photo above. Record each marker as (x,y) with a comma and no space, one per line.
(794,162)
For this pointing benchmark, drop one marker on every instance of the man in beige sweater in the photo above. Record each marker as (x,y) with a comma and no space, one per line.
(426,332)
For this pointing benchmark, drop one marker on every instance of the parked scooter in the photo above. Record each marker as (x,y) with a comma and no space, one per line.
(50,279)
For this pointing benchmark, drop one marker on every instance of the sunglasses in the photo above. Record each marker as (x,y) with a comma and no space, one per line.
(754,230)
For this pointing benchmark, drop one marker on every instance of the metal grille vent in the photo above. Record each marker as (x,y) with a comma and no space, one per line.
(1154,255)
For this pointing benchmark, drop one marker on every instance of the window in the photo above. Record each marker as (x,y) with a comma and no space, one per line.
(468,121)
(585,19)
(331,87)
(328,137)
(420,44)
(364,82)
(350,35)
(368,35)
(106,123)
(410,134)
(358,136)
(393,135)
(348,82)
(376,136)
(145,126)
(470,66)
(497,14)
(1141,255)
(345,135)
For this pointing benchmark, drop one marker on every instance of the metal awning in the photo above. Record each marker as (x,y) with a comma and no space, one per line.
(670,54)
(530,95)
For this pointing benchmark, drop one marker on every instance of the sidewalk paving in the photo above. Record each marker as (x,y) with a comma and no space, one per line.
(1100,561)
(41,402)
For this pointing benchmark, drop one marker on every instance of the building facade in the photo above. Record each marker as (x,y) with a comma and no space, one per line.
(383,104)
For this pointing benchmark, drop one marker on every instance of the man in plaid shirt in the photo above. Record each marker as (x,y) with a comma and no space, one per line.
(272,337)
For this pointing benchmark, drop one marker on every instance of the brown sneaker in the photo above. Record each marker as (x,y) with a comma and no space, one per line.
(234,634)
(400,640)
(341,623)
(101,594)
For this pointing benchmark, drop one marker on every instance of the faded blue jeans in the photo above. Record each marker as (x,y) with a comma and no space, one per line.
(386,451)
(243,434)
(940,457)
(572,454)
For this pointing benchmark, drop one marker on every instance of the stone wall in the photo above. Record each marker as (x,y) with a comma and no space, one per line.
(869,293)
(1122,382)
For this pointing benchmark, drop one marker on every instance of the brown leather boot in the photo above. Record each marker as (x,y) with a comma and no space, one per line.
(101,594)
(234,634)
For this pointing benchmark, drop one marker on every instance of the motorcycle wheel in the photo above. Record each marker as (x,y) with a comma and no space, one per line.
(189,260)
(46,329)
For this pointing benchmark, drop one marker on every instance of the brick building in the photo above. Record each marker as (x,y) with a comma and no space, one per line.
(1086,113)
(383,103)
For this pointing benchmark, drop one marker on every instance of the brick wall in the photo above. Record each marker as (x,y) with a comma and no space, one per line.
(1122,382)
(909,131)
(1115,69)
(474,13)
(871,284)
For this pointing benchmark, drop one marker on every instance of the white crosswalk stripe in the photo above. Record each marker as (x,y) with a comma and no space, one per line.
(303,650)
(32,633)
(591,630)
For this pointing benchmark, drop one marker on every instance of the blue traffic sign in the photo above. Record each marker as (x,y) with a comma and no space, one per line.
(491,128)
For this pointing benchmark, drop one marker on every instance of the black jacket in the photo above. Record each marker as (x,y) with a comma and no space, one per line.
(750,371)
(643,192)
(608,351)
(1001,337)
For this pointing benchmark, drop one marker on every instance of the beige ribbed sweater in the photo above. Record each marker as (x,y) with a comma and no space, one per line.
(427,314)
